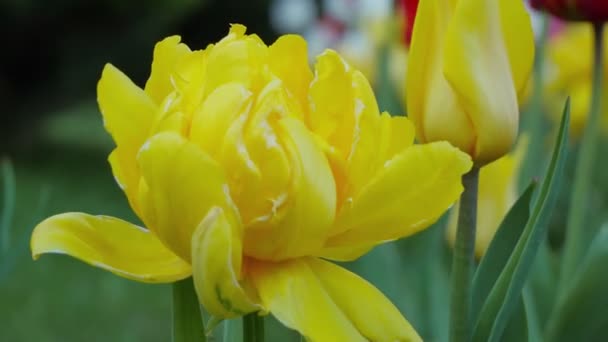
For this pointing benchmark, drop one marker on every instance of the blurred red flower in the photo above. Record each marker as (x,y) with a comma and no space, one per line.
(409,13)
(574,10)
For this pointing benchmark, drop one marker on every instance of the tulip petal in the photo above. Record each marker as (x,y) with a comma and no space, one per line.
(129,115)
(325,302)
(125,175)
(519,41)
(236,58)
(257,165)
(288,60)
(412,191)
(379,138)
(477,65)
(295,296)
(310,206)
(332,102)
(181,184)
(219,110)
(117,246)
(345,115)
(432,105)
(217,265)
(371,312)
(167,53)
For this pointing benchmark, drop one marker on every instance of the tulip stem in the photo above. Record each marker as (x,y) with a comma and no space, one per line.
(577,233)
(187,320)
(463,260)
(253,328)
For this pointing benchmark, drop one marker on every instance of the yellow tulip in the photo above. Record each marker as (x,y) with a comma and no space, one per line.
(469,61)
(247,168)
(498,183)
(568,73)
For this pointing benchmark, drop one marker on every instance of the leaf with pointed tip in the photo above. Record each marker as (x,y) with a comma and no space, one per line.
(500,249)
(504,296)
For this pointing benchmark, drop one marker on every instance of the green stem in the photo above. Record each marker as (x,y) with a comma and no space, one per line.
(253,328)
(576,232)
(463,261)
(187,320)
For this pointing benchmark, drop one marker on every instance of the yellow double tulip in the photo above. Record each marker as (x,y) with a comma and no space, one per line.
(248,168)
(469,61)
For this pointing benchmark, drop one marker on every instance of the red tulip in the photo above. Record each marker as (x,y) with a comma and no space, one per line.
(575,10)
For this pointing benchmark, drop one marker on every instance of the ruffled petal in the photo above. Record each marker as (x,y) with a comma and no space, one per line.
(345,116)
(310,206)
(325,302)
(412,191)
(219,110)
(181,184)
(167,53)
(332,102)
(217,265)
(288,60)
(236,58)
(109,243)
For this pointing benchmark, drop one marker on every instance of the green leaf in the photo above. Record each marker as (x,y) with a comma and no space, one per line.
(541,289)
(187,320)
(580,314)
(500,249)
(504,296)
(534,328)
(517,327)
(495,259)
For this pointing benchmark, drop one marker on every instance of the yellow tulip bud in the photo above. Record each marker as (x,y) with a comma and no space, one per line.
(469,60)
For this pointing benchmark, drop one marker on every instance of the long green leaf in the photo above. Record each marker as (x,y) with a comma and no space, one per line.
(495,259)
(505,294)
(517,327)
(500,249)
